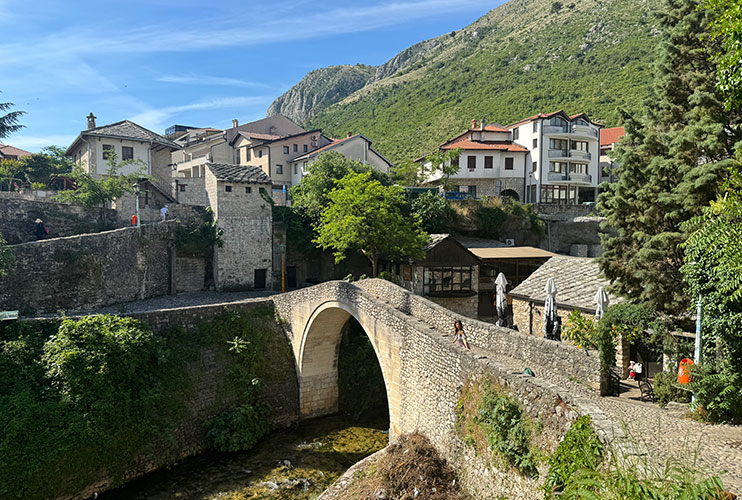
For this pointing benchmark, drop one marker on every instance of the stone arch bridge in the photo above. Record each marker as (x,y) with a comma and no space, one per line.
(423,370)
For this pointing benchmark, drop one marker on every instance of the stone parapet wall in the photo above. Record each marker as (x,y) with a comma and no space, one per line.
(89,271)
(17,216)
(554,356)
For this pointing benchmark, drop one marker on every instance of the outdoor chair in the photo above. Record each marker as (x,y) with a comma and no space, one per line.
(647,391)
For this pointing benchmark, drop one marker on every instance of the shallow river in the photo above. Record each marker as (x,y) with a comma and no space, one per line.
(293,464)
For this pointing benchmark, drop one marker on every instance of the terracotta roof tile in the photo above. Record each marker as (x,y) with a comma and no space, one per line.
(610,136)
(8,150)
(493,146)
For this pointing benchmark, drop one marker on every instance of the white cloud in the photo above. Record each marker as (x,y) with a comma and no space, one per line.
(193,79)
(36,143)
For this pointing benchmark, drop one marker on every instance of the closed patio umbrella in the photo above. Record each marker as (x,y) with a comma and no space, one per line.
(501,284)
(550,310)
(601,298)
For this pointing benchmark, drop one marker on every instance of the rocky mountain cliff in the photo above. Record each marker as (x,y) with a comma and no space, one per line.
(524,57)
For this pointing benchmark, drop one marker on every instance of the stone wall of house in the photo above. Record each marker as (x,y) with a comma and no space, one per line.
(90,270)
(17,216)
(190,274)
(191,190)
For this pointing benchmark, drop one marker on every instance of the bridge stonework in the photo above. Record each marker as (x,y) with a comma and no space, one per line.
(424,371)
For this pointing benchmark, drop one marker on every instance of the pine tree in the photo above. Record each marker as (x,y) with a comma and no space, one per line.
(672,159)
(9,121)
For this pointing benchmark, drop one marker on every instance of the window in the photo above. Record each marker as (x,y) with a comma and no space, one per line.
(305,166)
(508,164)
(582,122)
(534,167)
(558,194)
(560,144)
(228,189)
(296,148)
(535,143)
(296,169)
(471,162)
(487,162)
(127,153)
(472,191)
(279,169)
(580,146)
(285,150)
(107,151)
(182,188)
(260,153)
(248,190)
(516,133)
(577,168)
(247,154)
(446,280)
(558,121)
(535,126)
(559,167)
(306,148)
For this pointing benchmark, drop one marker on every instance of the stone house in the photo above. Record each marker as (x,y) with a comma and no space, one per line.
(448,275)
(238,196)
(490,163)
(356,147)
(128,141)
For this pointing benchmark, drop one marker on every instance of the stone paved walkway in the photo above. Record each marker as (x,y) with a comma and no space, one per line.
(662,432)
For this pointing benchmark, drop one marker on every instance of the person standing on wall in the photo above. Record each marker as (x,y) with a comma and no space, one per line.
(40,231)
(163,213)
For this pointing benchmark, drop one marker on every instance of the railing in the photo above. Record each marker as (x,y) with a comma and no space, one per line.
(558,153)
(581,178)
(556,176)
(555,129)
(584,130)
(574,177)
(576,153)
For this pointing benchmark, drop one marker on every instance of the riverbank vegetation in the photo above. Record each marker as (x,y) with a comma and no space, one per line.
(98,399)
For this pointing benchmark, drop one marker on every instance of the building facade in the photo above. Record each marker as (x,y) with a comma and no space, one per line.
(238,197)
(609,138)
(8,152)
(490,163)
(563,164)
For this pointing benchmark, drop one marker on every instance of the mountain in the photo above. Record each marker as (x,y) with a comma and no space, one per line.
(522,58)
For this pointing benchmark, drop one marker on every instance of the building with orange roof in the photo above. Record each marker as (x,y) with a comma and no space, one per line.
(609,137)
(563,160)
(8,152)
(490,163)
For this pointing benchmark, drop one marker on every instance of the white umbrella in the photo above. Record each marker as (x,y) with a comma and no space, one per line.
(601,298)
(550,311)
(501,284)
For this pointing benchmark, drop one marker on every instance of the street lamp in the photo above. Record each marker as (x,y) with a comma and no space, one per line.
(136,195)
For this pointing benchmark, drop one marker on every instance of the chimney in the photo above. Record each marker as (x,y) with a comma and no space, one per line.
(91,120)
(235,123)
(473,124)
(349,135)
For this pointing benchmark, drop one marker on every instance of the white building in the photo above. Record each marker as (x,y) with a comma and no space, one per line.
(609,137)
(564,157)
(490,163)
(356,147)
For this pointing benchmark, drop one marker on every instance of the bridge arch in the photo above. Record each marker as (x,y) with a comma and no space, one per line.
(317,352)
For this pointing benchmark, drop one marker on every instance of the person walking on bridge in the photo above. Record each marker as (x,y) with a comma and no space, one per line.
(459,336)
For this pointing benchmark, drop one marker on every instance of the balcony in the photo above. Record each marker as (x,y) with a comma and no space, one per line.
(558,153)
(579,155)
(581,178)
(584,131)
(573,178)
(555,129)
(556,176)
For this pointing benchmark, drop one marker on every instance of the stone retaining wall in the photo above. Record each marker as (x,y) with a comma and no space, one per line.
(89,271)
(17,218)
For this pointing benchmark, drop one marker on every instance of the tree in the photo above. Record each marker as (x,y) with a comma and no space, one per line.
(433,211)
(409,173)
(309,198)
(365,215)
(446,163)
(726,28)
(93,192)
(39,167)
(671,161)
(713,271)
(9,121)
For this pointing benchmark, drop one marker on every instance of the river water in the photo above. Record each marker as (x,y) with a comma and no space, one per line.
(295,464)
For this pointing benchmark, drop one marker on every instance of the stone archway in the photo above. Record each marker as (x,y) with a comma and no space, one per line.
(317,359)
(510,193)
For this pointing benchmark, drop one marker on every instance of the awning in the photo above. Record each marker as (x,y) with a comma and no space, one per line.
(511,253)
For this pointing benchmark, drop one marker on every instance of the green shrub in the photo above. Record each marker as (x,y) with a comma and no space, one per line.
(718,394)
(580,449)
(580,330)
(667,389)
(508,430)
(199,239)
(238,429)
(434,212)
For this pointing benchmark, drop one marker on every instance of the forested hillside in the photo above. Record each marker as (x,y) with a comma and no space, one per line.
(525,57)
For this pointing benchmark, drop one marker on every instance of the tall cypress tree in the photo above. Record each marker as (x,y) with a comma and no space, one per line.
(671,162)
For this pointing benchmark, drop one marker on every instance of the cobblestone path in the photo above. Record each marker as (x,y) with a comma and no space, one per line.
(661,432)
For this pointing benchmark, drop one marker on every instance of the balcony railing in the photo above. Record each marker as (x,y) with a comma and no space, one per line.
(555,129)
(581,178)
(556,176)
(574,129)
(584,130)
(576,153)
(574,177)
(558,153)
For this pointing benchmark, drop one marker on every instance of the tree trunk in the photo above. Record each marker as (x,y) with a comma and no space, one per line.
(375,266)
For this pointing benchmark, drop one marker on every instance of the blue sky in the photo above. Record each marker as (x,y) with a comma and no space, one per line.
(160,62)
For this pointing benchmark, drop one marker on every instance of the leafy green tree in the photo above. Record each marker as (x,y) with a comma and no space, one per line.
(309,198)
(434,212)
(9,121)
(713,272)
(39,167)
(367,216)
(93,192)
(726,28)
(671,162)
(445,162)
(409,173)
